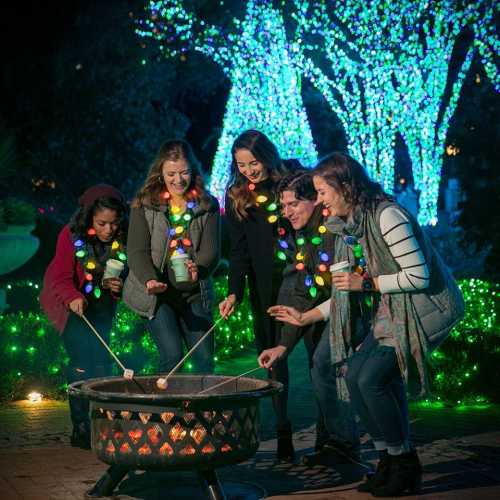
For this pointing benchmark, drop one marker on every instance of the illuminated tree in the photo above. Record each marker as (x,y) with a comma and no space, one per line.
(388,67)
(255,55)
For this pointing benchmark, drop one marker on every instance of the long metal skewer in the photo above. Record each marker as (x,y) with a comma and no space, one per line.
(162,381)
(127,373)
(229,380)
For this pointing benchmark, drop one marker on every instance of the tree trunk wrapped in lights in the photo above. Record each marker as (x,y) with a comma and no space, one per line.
(265,83)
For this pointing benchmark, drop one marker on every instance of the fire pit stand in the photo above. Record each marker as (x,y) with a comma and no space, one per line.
(176,429)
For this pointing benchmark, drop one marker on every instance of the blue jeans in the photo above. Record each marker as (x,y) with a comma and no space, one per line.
(378,392)
(177,325)
(87,356)
(338,416)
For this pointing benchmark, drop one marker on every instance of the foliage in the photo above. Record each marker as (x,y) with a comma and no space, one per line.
(461,369)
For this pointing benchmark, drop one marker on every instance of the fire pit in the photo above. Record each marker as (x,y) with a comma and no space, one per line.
(176,429)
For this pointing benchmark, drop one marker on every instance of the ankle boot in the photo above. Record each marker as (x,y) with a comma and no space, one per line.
(405,475)
(379,477)
(285,450)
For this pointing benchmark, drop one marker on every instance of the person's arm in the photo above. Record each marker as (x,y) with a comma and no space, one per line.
(398,233)
(60,276)
(139,247)
(239,256)
(208,256)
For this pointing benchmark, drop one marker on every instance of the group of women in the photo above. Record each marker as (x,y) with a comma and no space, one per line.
(388,309)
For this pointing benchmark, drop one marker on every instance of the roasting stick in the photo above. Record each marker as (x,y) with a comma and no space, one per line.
(229,380)
(162,382)
(127,372)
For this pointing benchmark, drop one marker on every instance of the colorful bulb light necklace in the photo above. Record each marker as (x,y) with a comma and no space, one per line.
(90,264)
(179,221)
(268,203)
(319,278)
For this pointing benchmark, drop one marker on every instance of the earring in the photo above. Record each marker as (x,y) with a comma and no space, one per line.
(160,179)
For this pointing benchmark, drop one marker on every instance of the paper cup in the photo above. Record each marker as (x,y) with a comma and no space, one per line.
(340,267)
(178,266)
(113,269)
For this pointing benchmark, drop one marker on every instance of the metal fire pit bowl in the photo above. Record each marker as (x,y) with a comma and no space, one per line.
(173,429)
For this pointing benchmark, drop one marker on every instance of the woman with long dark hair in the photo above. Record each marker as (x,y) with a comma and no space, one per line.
(252,213)
(73,283)
(174,219)
(414,302)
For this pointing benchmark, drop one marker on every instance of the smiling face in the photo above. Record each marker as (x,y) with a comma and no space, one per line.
(106,223)
(332,199)
(298,212)
(177,176)
(249,166)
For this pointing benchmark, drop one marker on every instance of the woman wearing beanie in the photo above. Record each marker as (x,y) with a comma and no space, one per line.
(73,283)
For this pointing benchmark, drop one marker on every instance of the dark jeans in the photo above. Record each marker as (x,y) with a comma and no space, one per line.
(88,358)
(337,416)
(181,324)
(378,392)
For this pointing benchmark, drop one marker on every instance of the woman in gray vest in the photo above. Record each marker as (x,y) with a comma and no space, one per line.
(389,259)
(174,246)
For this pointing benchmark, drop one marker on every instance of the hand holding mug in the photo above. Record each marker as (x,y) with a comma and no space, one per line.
(115,285)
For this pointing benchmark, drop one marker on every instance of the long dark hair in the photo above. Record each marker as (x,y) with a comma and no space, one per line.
(82,219)
(348,177)
(154,185)
(300,183)
(264,151)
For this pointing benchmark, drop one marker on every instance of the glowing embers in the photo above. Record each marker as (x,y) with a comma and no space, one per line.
(144,450)
(207,449)
(166,449)
(135,434)
(125,449)
(188,450)
(155,435)
(198,433)
(177,432)
(167,416)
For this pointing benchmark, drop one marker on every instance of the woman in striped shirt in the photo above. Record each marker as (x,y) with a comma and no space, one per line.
(414,302)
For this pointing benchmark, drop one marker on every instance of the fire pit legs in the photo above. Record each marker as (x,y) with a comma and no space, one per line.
(211,484)
(108,482)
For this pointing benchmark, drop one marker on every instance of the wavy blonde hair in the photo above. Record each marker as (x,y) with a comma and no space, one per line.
(154,185)
(264,151)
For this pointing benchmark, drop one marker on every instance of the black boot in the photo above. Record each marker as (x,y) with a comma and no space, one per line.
(405,475)
(285,450)
(379,478)
(80,438)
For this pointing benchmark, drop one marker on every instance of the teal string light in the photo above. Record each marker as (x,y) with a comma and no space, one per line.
(256,56)
(386,68)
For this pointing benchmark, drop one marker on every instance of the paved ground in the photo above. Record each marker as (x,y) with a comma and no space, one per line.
(460,451)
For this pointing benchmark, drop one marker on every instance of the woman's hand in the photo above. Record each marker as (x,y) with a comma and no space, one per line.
(226,307)
(347,281)
(154,287)
(192,270)
(78,305)
(287,315)
(115,285)
(268,357)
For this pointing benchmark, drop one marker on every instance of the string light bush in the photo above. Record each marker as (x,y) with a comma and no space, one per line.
(34,358)
(461,370)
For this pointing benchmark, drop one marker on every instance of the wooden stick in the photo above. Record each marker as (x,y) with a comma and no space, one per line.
(163,380)
(230,380)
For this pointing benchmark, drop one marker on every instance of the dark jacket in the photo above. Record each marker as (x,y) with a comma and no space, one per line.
(253,256)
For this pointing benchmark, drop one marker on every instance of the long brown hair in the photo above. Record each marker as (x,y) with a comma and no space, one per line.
(154,185)
(266,153)
(348,177)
